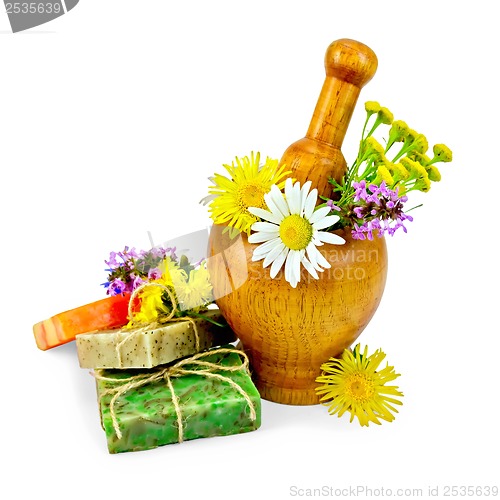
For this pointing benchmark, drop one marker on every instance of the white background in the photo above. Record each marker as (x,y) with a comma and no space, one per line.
(111,119)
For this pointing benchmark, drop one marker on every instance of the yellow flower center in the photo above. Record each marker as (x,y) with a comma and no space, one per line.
(359,387)
(296,232)
(251,195)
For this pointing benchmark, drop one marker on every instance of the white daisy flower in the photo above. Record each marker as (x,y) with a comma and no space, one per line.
(292,231)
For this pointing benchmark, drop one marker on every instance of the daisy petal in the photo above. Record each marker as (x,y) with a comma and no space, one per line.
(316,241)
(318,214)
(296,266)
(288,266)
(288,188)
(294,200)
(303,195)
(311,254)
(277,197)
(264,214)
(328,221)
(265,248)
(272,205)
(320,259)
(261,237)
(267,227)
(309,267)
(278,263)
(330,238)
(273,254)
(310,203)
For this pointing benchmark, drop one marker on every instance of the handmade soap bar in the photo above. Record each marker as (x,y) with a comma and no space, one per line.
(220,401)
(110,312)
(149,347)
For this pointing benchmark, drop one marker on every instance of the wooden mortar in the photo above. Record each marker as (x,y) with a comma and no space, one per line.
(289,332)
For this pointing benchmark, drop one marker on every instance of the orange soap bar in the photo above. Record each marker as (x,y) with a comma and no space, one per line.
(104,314)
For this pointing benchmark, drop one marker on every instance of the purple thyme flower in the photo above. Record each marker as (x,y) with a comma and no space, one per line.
(154,273)
(380,213)
(116,287)
(332,206)
(360,193)
(136,282)
(358,232)
(112,262)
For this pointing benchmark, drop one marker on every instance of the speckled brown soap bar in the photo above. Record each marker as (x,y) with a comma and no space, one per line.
(129,348)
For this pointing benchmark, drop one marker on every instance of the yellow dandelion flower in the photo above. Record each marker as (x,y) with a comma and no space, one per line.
(153,305)
(196,291)
(356,385)
(171,273)
(245,187)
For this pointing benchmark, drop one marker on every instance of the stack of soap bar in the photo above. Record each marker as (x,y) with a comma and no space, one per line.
(110,312)
(210,407)
(147,348)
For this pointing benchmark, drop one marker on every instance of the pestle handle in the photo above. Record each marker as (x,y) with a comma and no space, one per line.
(349,66)
(350,61)
(317,156)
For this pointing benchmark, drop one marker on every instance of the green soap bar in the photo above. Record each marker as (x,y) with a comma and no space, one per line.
(152,347)
(210,407)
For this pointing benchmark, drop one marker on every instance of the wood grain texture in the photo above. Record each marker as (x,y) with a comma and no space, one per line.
(288,333)
(349,66)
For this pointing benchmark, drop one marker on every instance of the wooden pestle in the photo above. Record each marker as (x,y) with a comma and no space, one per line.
(317,157)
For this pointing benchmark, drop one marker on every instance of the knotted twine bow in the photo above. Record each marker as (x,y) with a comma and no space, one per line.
(146,327)
(177,370)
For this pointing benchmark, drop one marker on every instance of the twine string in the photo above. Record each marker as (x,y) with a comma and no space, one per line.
(133,382)
(169,318)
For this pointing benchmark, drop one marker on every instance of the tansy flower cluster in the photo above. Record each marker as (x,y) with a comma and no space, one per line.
(189,284)
(370,198)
